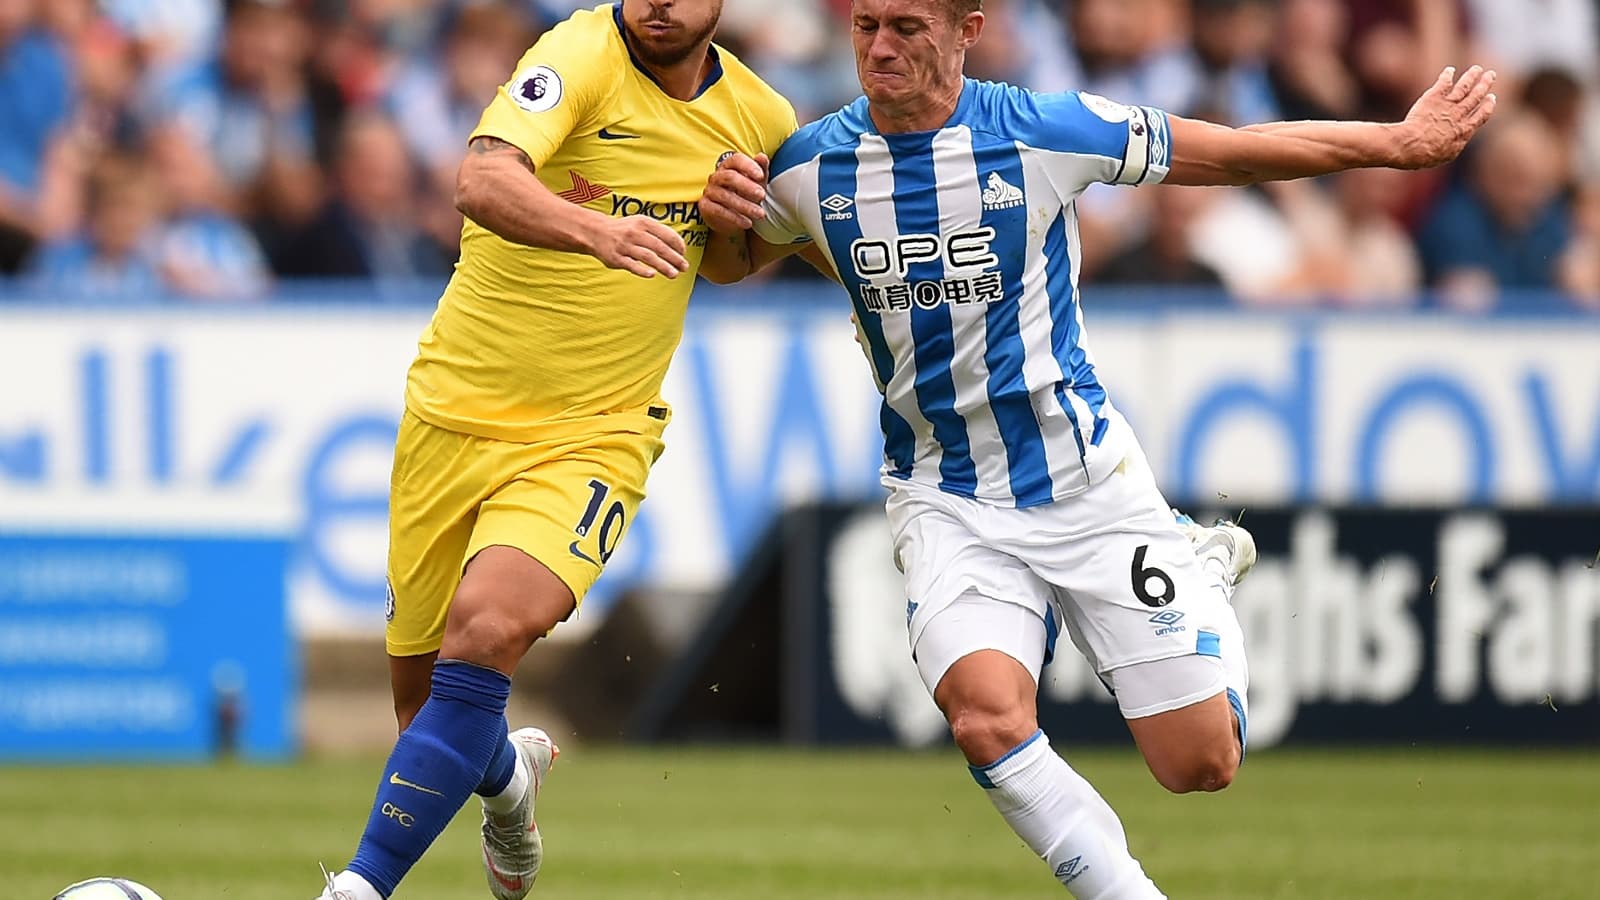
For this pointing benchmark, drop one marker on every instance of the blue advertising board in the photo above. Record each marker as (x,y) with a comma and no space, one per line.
(144,646)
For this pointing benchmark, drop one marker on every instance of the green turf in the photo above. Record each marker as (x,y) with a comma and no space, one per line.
(776,825)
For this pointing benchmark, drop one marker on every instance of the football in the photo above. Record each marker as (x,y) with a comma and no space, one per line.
(107,889)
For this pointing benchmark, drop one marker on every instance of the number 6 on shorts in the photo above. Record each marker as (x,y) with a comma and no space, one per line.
(1142,577)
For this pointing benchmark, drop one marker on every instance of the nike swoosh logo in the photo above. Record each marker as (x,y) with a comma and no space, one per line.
(606,135)
(581,555)
(509,882)
(395,779)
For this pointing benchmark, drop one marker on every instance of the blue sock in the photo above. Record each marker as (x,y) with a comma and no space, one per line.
(501,768)
(434,767)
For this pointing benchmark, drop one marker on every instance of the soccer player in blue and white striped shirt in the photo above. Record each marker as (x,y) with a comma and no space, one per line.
(1019,498)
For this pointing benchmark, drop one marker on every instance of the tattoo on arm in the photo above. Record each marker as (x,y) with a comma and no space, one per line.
(484,145)
(742,249)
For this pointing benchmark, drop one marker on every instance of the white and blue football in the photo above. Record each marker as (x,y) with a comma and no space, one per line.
(107,889)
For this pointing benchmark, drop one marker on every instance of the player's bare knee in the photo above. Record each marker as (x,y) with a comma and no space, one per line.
(1215,770)
(1217,777)
(493,622)
(490,632)
(490,638)
(987,697)
(1207,767)
(984,734)
(1177,780)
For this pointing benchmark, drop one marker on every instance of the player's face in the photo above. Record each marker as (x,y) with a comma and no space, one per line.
(14,14)
(667,32)
(909,50)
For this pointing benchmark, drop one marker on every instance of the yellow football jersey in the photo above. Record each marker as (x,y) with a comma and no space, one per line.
(527,341)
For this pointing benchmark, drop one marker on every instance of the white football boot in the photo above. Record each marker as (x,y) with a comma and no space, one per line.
(329,892)
(512,847)
(1224,542)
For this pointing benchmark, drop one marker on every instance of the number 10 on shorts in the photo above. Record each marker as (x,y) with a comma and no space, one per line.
(610,525)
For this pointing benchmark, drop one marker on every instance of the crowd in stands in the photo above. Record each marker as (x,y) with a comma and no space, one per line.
(213,149)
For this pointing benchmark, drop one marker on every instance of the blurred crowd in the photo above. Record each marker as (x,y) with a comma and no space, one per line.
(214,148)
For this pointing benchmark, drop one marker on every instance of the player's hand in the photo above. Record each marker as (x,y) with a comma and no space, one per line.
(732,201)
(1446,117)
(642,246)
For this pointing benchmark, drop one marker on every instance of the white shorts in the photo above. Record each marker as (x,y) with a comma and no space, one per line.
(1109,566)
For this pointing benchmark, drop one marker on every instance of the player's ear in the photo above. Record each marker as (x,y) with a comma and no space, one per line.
(971,28)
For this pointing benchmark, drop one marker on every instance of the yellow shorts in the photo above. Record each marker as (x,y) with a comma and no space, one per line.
(565,501)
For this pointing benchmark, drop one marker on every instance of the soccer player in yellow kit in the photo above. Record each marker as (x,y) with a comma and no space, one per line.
(533,410)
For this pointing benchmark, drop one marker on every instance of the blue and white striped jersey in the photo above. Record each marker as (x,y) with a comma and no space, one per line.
(959,248)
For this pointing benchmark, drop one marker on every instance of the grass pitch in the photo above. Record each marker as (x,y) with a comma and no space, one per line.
(785,825)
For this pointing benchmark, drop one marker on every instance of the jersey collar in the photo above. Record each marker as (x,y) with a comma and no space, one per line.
(712,77)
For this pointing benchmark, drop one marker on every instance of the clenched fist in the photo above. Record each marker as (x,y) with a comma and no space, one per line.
(732,201)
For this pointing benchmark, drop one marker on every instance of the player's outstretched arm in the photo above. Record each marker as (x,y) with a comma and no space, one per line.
(496,188)
(1433,133)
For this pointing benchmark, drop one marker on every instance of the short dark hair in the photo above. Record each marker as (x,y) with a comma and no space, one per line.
(960,8)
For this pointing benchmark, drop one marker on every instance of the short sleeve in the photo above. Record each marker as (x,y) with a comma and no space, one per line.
(558,84)
(778,125)
(1120,144)
(783,223)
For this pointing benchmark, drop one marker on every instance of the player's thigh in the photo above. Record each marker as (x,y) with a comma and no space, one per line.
(1154,625)
(988,654)
(568,513)
(965,597)
(1195,746)
(1129,583)
(439,479)
(507,599)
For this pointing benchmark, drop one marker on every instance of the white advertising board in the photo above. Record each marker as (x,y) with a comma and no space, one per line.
(285,416)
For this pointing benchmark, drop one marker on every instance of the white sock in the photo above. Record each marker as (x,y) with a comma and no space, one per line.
(1066,821)
(356,886)
(507,800)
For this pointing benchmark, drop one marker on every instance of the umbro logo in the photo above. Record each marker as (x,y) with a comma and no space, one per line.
(1068,871)
(1166,622)
(997,194)
(838,207)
